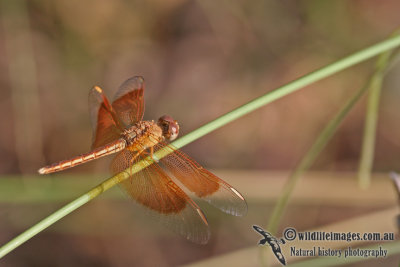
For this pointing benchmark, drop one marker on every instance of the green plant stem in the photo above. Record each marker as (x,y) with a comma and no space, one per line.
(342,64)
(371,119)
(321,141)
(290,88)
(309,158)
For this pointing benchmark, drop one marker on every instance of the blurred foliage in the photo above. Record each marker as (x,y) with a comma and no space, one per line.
(200,59)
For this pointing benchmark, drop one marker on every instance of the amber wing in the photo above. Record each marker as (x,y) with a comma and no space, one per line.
(129,101)
(163,199)
(203,183)
(108,121)
(106,127)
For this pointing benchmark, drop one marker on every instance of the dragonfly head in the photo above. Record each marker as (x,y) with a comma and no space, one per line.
(169,126)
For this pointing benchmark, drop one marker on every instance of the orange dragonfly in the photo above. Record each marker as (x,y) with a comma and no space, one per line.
(118,128)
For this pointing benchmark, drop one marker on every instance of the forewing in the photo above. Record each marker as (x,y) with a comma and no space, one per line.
(203,183)
(259,229)
(129,101)
(104,122)
(163,199)
(278,253)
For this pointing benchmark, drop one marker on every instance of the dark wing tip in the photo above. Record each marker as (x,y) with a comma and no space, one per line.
(258,229)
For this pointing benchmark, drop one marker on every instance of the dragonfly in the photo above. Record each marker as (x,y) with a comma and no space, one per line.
(118,129)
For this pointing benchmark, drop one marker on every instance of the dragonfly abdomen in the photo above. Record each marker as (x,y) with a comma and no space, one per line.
(108,149)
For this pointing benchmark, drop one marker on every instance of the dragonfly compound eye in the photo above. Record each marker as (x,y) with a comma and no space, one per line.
(169,126)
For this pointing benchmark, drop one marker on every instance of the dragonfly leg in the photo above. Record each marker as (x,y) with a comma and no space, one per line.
(132,161)
(152,155)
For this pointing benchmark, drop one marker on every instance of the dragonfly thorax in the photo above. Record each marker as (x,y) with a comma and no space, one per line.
(146,134)
(142,135)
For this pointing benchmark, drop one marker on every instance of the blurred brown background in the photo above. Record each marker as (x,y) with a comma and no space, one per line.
(200,59)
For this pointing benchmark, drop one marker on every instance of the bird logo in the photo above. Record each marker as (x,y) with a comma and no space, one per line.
(272,241)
